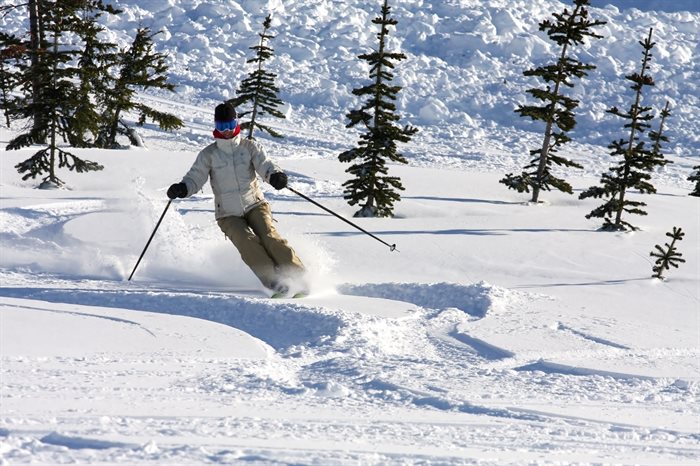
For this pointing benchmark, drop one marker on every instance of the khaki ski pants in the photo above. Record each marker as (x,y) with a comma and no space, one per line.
(261,247)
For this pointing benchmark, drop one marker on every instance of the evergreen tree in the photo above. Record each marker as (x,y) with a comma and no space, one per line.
(667,257)
(556,112)
(378,145)
(258,89)
(29,78)
(58,100)
(695,177)
(95,61)
(140,68)
(634,170)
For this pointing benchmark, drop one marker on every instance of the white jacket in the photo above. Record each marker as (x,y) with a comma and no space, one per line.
(231,165)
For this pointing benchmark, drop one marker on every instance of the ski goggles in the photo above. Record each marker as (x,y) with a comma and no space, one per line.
(226,125)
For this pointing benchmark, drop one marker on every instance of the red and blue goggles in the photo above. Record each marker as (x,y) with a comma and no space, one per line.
(226,125)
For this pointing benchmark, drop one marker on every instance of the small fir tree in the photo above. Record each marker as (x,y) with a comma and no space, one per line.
(695,177)
(140,68)
(258,89)
(570,29)
(378,145)
(634,170)
(59,98)
(668,257)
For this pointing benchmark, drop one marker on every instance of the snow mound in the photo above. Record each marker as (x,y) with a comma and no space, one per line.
(279,325)
(69,332)
(475,299)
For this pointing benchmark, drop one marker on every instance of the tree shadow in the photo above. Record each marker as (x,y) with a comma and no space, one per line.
(620,281)
(466,200)
(456,231)
(300,214)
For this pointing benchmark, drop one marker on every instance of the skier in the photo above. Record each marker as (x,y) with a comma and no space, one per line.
(241,210)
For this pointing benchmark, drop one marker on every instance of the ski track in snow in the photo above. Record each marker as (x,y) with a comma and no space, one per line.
(342,359)
(335,341)
(349,362)
(352,359)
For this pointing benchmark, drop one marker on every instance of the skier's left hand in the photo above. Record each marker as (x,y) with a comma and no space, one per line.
(278,180)
(177,190)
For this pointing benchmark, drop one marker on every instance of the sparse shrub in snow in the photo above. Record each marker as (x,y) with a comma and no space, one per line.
(556,111)
(634,170)
(259,89)
(378,144)
(669,256)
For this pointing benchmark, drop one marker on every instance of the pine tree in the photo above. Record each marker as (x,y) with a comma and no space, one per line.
(378,144)
(29,78)
(140,68)
(695,177)
(634,170)
(259,89)
(667,257)
(58,100)
(557,110)
(94,64)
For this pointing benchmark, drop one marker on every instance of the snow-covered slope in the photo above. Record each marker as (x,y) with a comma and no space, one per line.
(501,333)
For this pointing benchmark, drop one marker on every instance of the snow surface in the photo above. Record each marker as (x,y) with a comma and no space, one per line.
(501,333)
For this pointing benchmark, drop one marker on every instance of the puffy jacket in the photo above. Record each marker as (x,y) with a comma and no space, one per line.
(231,164)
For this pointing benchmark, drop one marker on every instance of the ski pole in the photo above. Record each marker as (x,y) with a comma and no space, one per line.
(392,247)
(149,239)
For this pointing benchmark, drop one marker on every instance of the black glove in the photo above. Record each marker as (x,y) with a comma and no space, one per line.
(278,180)
(177,190)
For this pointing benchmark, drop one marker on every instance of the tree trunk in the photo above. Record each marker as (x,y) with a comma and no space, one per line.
(628,155)
(54,115)
(259,84)
(113,127)
(4,96)
(36,34)
(657,144)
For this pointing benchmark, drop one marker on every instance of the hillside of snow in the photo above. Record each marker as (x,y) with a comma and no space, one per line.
(499,333)
(463,75)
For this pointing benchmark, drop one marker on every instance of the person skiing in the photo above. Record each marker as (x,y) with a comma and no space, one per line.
(241,211)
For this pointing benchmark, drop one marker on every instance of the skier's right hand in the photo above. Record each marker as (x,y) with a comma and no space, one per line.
(278,180)
(177,190)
